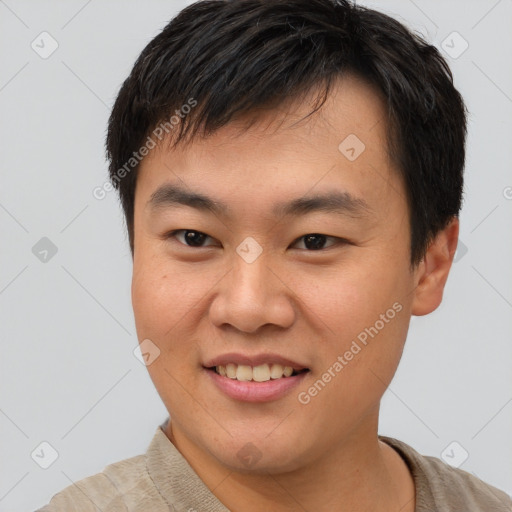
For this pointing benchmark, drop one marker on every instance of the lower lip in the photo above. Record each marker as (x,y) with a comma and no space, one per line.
(250,391)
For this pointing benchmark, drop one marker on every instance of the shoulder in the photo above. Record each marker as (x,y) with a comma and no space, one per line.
(448,488)
(117,488)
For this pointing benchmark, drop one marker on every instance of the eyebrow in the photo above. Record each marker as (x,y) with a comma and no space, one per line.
(169,195)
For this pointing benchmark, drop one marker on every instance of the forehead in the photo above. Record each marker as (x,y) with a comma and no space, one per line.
(285,152)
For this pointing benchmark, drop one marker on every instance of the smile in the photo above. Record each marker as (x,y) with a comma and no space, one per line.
(261,373)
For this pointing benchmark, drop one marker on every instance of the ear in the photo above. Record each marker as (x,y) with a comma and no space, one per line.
(432,272)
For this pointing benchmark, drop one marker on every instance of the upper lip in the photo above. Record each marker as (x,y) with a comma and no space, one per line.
(253,360)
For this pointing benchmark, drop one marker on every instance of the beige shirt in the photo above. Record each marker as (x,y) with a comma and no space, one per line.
(163,481)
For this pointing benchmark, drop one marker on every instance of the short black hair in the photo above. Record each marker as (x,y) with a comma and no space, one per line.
(234,57)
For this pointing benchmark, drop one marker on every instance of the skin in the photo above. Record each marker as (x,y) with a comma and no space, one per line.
(196,303)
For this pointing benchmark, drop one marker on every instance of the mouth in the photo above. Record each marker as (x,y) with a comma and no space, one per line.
(262,377)
(260,373)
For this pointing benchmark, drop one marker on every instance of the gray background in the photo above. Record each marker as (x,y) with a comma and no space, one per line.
(68,373)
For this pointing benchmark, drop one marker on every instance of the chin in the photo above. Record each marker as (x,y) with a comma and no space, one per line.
(259,453)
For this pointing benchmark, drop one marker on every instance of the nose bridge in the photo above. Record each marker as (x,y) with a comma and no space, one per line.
(250,280)
(251,296)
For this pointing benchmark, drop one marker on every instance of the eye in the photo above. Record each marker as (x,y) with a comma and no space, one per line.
(316,241)
(191,238)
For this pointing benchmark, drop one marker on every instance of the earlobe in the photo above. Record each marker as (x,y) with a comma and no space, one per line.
(432,272)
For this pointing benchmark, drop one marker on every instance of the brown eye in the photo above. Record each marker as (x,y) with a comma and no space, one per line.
(315,241)
(190,238)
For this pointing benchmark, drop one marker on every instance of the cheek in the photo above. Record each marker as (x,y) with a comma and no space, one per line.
(153,300)
(163,294)
(165,302)
(344,300)
(360,351)
(361,315)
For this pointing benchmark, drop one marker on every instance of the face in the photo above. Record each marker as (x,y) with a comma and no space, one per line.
(282,248)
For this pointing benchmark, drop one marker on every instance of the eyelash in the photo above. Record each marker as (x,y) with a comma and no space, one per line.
(337,240)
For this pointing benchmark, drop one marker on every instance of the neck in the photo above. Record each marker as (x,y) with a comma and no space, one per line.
(361,474)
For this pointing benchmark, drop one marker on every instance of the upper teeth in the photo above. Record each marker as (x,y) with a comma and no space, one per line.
(259,373)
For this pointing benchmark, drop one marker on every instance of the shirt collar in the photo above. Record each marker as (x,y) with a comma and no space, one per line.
(181,487)
(174,478)
(424,495)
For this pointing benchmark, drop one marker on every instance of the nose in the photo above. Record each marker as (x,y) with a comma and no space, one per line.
(252,295)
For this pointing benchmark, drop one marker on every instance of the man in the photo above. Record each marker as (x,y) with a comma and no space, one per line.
(291,176)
